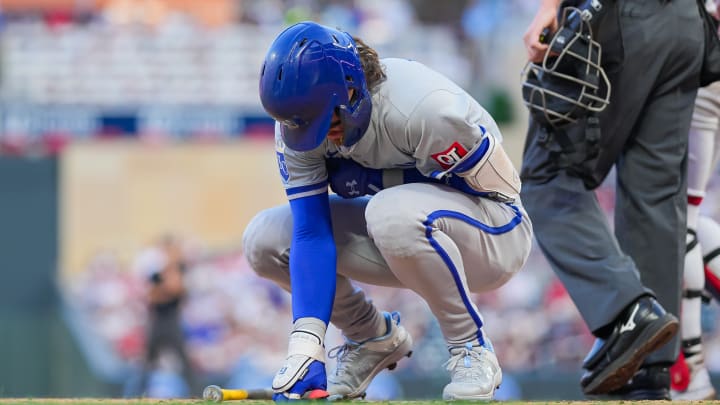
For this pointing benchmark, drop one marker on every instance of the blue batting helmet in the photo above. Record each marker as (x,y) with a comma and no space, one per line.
(306,77)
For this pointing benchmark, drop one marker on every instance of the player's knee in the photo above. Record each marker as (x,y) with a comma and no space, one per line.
(261,244)
(255,241)
(394,228)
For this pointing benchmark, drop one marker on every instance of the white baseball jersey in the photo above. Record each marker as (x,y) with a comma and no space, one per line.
(419,119)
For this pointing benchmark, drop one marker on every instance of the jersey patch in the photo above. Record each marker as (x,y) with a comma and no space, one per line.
(282,165)
(448,158)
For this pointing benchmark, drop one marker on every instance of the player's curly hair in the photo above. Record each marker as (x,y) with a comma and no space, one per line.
(374,71)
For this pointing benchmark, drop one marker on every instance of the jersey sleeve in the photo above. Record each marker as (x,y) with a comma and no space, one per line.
(448,128)
(303,173)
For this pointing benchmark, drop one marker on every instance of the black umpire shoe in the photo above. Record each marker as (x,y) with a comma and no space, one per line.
(611,363)
(648,383)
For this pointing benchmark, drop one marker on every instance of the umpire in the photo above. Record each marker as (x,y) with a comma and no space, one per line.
(623,281)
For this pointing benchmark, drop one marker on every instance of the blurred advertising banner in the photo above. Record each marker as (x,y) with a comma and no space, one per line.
(209,12)
(120,195)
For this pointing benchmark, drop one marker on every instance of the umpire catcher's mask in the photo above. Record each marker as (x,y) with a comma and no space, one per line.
(306,77)
(569,83)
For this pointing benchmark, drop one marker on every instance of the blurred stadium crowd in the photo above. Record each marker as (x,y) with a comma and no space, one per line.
(171,71)
(188,69)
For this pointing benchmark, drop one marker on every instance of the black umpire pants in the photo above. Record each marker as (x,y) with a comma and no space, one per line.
(644,135)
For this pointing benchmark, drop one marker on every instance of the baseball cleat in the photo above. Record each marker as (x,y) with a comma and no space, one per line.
(474,374)
(359,362)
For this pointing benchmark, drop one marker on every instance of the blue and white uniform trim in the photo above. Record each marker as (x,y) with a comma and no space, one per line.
(473,157)
(469,160)
(493,230)
(305,191)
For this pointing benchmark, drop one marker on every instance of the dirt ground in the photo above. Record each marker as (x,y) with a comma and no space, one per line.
(96,401)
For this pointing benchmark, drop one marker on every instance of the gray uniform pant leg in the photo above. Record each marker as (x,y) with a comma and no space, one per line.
(443,244)
(650,221)
(651,201)
(266,244)
(651,198)
(573,233)
(428,233)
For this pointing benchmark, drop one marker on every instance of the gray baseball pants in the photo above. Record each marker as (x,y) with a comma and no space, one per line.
(425,237)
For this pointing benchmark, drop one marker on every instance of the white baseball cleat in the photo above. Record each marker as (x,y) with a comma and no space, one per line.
(474,373)
(359,362)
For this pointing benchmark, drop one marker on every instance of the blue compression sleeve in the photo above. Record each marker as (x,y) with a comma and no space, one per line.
(312,258)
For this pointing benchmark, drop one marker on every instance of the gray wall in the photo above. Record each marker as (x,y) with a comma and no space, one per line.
(37,355)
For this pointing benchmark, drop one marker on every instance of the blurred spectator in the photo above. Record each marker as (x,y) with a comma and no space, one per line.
(162,268)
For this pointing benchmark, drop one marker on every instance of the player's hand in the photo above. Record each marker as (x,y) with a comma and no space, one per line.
(349,179)
(312,385)
(546,17)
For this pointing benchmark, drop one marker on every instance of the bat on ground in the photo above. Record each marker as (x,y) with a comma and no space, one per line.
(216,394)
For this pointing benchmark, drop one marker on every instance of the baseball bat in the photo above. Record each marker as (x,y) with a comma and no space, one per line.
(217,394)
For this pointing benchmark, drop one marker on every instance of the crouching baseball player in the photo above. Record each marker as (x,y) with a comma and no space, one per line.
(427,199)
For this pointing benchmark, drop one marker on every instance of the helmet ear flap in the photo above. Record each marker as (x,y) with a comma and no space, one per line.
(356,116)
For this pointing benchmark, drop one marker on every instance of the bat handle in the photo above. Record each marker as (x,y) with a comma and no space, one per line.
(259,393)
